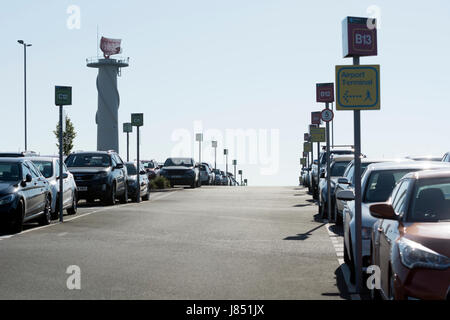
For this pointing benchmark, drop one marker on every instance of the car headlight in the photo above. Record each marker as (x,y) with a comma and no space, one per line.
(414,255)
(366,233)
(7,199)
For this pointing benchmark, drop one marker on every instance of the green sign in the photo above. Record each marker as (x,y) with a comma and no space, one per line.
(137,119)
(234,162)
(318,134)
(303,161)
(127,127)
(306,147)
(63,96)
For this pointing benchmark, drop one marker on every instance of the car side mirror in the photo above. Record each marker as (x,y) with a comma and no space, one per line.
(143,172)
(119,166)
(65,176)
(28,178)
(346,195)
(343,181)
(383,211)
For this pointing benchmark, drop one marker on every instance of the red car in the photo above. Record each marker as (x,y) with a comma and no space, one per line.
(411,239)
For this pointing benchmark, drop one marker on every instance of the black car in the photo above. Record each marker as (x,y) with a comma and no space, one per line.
(99,175)
(24,194)
(181,171)
(144,182)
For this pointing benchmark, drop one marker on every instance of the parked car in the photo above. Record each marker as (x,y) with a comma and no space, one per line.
(211,170)
(217,177)
(143,189)
(377,184)
(337,169)
(181,171)
(224,178)
(25,194)
(151,167)
(206,176)
(49,167)
(347,181)
(315,181)
(99,175)
(411,238)
(446,157)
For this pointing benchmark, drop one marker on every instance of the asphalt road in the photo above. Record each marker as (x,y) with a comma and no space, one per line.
(207,243)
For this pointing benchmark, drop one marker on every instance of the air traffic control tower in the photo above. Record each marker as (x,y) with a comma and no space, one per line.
(108,95)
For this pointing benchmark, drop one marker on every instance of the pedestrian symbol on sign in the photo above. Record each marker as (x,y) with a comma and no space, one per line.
(368,96)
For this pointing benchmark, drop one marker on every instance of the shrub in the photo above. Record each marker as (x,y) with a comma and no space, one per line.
(159,183)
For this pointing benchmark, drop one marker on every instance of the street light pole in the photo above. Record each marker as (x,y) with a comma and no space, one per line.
(25,45)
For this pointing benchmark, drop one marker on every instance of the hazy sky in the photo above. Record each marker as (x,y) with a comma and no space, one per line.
(247,64)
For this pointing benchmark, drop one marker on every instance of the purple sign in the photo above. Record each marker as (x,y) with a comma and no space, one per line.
(359,36)
(325,92)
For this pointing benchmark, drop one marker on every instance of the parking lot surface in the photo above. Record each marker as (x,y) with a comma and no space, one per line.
(206,243)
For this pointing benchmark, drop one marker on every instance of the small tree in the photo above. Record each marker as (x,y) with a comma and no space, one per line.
(69,135)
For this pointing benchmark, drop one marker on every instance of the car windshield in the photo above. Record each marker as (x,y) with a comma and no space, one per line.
(10,171)
(88,160)
(46,167)
(131,169)
(172,162)
(338,168)
(431,201)
(381,183)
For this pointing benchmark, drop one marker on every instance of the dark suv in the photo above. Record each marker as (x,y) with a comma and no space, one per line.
(181,171)
(99,175)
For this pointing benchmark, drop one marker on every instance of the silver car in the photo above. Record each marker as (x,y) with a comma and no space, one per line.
(49,167)
(377,184)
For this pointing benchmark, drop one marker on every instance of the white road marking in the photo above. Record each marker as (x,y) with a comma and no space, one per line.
(85,215)
(338,245)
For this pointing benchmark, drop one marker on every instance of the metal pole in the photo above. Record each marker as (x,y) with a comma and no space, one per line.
(128,146)
(215,158)
(25,91)
(357,176)
(318,169)
(138,196)
(332,126)
(328,168)
(234,170)
(61,184)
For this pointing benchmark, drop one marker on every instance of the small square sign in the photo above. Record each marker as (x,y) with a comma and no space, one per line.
(137,119)
(318,134)
(315,117)
(306,136)
(127,127)
(325,92)
(306,147)
(240,172)
(199,137)
(225,151)
(359,37)
(63,96)
(214,144)
(234,162)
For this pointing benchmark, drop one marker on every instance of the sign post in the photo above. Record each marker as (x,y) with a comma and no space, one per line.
(214,145)
(235,164)
(127,128)
(137,120)
(63,97)
(358,88)
(240,173)
(325,93)
(225,152)
(318,135)
(199,138)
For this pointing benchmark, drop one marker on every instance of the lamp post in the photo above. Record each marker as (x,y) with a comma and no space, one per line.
(25,45)
(225,152)
(214,145)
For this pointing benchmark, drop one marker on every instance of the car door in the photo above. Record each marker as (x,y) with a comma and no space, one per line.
(67,185)
(120,173)
(40,187)
(28,190)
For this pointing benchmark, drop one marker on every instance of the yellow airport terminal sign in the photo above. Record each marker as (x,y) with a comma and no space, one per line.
(318,134)
(358,87)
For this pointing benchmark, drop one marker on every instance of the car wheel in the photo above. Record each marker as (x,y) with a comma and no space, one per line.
(46,216)
(147,195)
(73,209)
(124,197)
(111,198)
(351,265)
(17,222)
(55,213)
